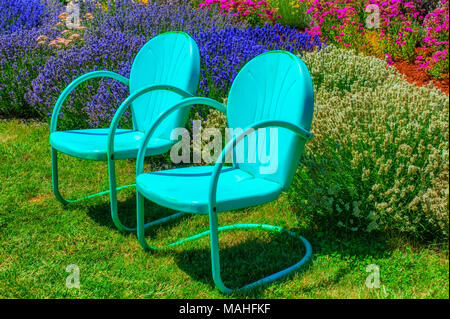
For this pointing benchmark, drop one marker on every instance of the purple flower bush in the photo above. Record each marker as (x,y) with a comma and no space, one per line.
(95,101)
(224,51)
(20,14)
(111,40)
(21,57)
(20,61)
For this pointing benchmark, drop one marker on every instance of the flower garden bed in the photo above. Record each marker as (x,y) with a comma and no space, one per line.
(414,74)
(373,180)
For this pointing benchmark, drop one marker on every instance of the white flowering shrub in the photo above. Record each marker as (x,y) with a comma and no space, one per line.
(380,156)
(379,160)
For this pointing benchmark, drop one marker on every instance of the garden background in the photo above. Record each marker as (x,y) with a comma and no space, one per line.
(377,167)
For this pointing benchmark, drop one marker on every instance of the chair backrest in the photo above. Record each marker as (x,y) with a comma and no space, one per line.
(275,85)
(169,58)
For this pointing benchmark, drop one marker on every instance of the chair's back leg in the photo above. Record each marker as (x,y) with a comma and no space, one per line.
(140,221)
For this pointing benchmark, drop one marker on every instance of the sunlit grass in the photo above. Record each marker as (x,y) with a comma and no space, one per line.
(39,238)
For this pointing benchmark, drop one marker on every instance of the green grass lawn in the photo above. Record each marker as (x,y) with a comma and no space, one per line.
(39,238)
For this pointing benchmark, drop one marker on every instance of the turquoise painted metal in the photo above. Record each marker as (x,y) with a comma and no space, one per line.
(274,90)
(166,70)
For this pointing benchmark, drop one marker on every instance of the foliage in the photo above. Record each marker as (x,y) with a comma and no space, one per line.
(343,22)
(436,39)
(224,51)
(22,58)
(256,12)
(292,13)
(379,160)
(402,27)
(39,238)
(20,14)
(109,39)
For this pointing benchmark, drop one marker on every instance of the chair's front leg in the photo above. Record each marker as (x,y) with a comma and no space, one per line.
(142,226)
(113,197)
(112,190)
(55,183)
(215,256)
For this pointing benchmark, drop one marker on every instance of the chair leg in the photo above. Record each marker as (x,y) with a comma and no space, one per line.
(214,239)
(113,198)
(141,226)
(55,183)
(112,190)
(215,256)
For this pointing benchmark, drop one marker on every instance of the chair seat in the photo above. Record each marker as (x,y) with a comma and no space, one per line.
(186,189)
(92,143)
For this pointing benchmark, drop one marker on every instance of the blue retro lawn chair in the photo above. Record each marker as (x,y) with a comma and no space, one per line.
(274,90)
(166,70)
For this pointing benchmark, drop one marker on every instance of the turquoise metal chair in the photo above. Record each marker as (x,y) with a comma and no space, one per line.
(166,70)
(272,90)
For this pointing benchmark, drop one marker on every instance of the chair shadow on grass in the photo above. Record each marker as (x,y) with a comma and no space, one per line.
(258,256)
(248,260)
(254,257)
(247,256)
(101,212)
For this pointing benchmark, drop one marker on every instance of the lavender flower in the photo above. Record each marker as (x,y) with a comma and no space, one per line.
(112,39)
(20,14)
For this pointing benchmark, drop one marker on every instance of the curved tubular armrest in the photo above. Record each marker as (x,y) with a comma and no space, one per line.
(125,104)
(74,84)
(301,132)
(185,103)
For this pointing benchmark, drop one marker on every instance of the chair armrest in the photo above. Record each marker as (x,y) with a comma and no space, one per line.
(65,93)
(125,104)
(301,132)
(185,103)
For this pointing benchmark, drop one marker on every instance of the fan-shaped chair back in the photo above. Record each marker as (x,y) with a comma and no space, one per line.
(171,58)
(273,86)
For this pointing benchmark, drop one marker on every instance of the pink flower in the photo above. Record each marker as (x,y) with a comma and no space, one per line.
(388,58)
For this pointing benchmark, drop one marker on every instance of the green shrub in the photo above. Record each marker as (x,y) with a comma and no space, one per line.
(292,12)
(379,160)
